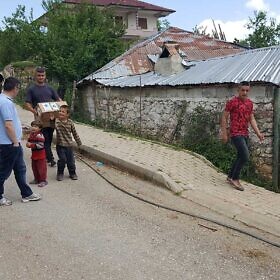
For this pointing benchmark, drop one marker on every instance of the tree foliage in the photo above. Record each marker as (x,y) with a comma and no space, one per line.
(19,37)
(79,41)
(200,30)
(48,5)
(76,42)
(162,24)
(265,31)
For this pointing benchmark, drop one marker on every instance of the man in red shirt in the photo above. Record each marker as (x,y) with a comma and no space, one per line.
(239,112)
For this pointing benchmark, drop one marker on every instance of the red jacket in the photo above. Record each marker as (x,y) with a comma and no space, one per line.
(37,140)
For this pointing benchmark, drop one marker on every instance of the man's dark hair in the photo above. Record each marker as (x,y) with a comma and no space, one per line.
(10,83)
(244,83)
(40,69)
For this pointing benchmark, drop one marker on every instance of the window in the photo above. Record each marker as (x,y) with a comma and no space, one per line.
(142,23)
(118,20)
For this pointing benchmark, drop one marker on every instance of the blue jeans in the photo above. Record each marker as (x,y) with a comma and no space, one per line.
(11,158)
(241,145)
(65,157)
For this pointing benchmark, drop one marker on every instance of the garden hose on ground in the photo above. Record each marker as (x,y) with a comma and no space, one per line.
(183,212)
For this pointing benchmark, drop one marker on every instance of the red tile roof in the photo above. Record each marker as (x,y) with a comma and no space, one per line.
(127,3)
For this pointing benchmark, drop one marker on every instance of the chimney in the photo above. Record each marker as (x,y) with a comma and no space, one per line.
(170,61)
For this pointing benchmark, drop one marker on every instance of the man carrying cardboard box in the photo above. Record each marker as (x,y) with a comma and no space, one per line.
(38,93)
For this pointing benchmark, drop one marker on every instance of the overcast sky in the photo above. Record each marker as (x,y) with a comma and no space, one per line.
(232,15)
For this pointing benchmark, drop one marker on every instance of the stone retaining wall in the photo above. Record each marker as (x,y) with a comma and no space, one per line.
(165,112)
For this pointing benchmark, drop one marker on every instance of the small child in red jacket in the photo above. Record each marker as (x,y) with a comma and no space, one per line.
(39,165)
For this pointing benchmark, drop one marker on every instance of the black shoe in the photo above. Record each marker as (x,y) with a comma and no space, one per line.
(59,177)
(74,176)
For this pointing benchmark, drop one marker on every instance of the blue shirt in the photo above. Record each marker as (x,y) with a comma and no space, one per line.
(43,93)
(8,112)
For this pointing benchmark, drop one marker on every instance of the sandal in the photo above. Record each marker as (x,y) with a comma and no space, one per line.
(237,185)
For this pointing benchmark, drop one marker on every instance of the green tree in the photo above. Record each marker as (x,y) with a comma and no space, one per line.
(200,30)
(19,37)
(75,42)
(266,32)
(79,41)
(48,5)
(162,24)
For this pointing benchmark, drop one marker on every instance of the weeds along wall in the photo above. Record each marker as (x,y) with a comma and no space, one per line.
(181,115)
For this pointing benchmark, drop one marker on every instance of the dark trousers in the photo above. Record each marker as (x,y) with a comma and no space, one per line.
(39,167)
(65,157)
(48,134)
(241,145)
(11,159)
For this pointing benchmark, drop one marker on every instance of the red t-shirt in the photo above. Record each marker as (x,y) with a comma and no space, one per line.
(240,112)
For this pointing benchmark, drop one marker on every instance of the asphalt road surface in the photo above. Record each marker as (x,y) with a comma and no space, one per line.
(87,229)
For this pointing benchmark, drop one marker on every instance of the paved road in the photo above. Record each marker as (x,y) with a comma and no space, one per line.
(185,174)
(89,230)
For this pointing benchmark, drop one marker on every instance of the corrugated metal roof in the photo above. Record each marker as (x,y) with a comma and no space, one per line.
(136,61)
(259,65)
(127,3)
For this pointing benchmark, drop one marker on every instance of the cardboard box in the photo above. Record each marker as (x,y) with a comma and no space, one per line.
(46,110)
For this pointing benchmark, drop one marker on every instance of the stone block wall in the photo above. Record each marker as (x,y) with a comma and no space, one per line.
(165,112)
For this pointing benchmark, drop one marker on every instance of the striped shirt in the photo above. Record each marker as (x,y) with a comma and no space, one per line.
(64,132)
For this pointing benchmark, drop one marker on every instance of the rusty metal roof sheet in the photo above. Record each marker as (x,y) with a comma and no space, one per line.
(191,46)
(172,48)
(259,65)
(126,3)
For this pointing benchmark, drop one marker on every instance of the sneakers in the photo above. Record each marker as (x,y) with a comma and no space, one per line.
(32,197)
(5,202)
(59,177)
(74,176)
(42,184)
(33,182)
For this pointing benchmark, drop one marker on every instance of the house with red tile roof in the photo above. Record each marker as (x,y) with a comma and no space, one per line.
(140,18)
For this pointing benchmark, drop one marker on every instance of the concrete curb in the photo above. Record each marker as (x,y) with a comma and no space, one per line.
(254,219)
(148,174)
